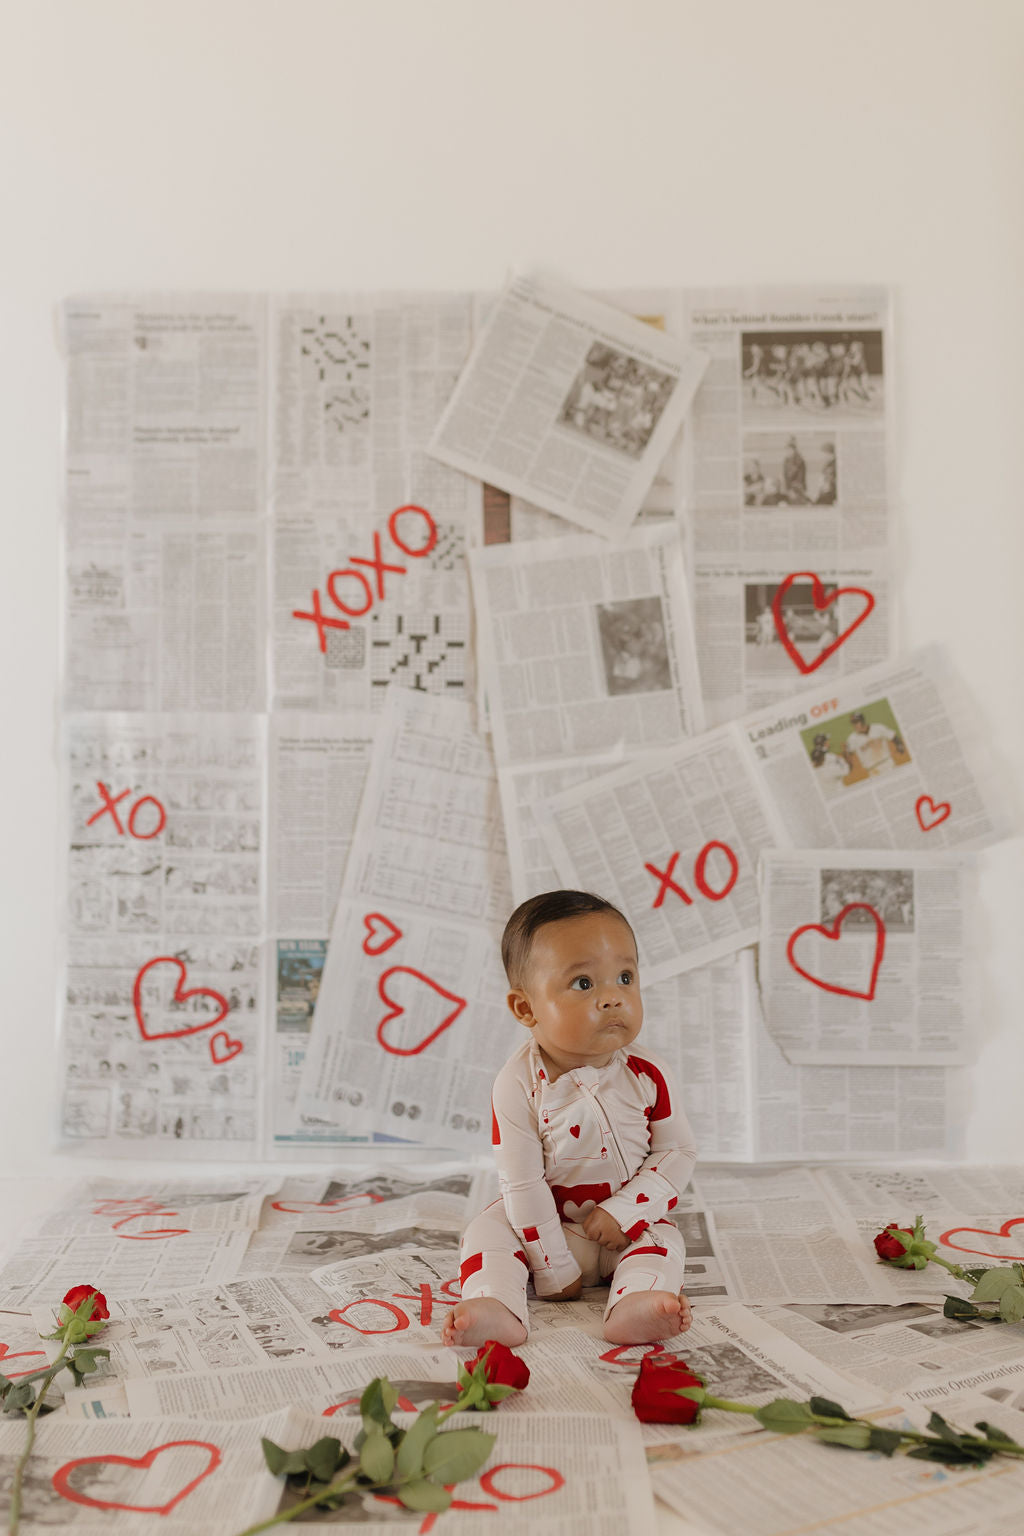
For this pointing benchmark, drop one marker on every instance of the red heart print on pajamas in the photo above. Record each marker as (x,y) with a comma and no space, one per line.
(223,1047)
(986,1253)
(574,1130)
(821,602)
(381,933)
(931,813)
(63,1475)
(416,998)
(180,996)
(834,935)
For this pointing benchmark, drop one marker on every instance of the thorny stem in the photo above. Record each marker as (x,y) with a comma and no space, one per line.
(30,1419)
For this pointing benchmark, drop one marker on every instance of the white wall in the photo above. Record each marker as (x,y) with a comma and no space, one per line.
(438,143)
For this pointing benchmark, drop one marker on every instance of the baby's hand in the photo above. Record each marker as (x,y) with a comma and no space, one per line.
(570,1293)
(602,1228)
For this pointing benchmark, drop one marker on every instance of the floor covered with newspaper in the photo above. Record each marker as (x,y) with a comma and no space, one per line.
(259,1306)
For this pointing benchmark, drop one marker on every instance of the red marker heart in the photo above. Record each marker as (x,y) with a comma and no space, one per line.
(833,934)
(220,1053)
(343,1203)
(396,1009)
(932,813)
(1004,1231)
(383,930)
(62,1476)
(574,1130)
(19,1354)
(821,602)
(180,996)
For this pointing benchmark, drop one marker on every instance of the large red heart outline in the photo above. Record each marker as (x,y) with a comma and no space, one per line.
(833,934)
(383,930)
(821,602)
(180,996)
(62,1476)
(343,1203)
(396,1009)
(931,813)
(1004,1231)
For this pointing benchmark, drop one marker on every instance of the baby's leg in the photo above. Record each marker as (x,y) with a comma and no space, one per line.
(493,1274)
(646,1300)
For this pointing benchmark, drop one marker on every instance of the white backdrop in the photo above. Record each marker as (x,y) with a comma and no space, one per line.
(246,144)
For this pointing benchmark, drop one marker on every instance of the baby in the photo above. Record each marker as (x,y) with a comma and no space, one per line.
(592,1145)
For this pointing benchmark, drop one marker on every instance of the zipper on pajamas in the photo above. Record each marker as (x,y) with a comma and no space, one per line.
(606,1127)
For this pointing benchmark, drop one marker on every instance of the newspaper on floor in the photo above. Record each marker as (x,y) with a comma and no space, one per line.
(585,646)
(787,445)
(307,1245)
(673,839)
(100,1206)
(360,381)
(763,626)
(762,1484)
(42,1269)
(894,757)
(410,1026)
(865,958)
(570,403)
(397,1290)
(164,492)
(430,832)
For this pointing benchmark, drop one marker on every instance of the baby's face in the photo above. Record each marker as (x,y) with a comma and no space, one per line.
(581,995)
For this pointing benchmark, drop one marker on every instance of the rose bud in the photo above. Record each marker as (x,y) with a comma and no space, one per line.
(502,1367)
(656,1399)
(890,1249)
(98,1311)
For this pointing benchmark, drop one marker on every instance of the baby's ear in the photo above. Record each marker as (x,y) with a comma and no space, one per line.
(519,1003)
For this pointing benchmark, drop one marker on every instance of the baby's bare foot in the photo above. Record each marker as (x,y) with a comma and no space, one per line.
(479,1319)
(643,1316)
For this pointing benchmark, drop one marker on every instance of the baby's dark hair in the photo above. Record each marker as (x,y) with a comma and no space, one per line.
(530,916)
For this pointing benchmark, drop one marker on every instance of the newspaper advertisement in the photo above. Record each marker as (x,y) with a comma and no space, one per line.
(430,832)
(673,840)
(586,647)
(891,758)
(410,1026)
(569,403)
(41,1268)
(317,767)
(788,438)
(764,627)
(164,492)
(865,957)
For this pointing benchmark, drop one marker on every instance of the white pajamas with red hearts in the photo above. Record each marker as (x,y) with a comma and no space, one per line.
(613,1136)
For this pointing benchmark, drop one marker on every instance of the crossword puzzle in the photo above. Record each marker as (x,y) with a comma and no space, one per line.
(339,357)
(424,651)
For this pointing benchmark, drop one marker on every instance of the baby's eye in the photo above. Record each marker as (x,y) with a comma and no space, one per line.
(626,978)
(581,984)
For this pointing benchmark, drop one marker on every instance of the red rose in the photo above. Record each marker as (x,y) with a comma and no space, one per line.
(655,1396)
(890,1247)
(501,1367)
(77,1294)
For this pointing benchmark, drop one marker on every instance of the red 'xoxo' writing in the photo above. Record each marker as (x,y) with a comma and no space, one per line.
(357,600)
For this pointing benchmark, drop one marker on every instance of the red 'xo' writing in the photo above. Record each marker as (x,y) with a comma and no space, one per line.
(397,1318)
(666,882)
(489,1485)
(154,820)
(350,589)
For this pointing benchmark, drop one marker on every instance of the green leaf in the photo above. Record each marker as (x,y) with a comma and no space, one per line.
(85,1359)
(498,1392)
(324,1457)
(974,1272)
(456,1454)
(784,1416)
(993,1432)
(283,1463)
(855,1437)
(377,1402)
(938,1426)
(409,1458)
(19,1399)
(959,1308)
(952,1455)
(424,1495)
(992,1284)
(827,1409)
(1011,1304)
(377,1458)
(885,1440)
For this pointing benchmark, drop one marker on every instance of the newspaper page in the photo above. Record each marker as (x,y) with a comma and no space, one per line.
(523,788)
(311,1242)
(317,766)
(430,832)
(42,1268)
(788,441)
(763,627)
(569,403)
(370,534)
(673,840)
(865,957)
(164,497)
(410,1026)
(894,757)
(93,1206)
(586,647)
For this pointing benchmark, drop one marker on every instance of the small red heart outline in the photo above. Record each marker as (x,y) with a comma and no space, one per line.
(180,996)
(342,1203)
(941,811)
(574,1131)
(396,1009)
(376,922)
(62,1475)
(231,1049)
(1004,1231)
(828,986)
(821,602)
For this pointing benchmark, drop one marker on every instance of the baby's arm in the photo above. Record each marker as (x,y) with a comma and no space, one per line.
(529,1203)
(655,1188)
